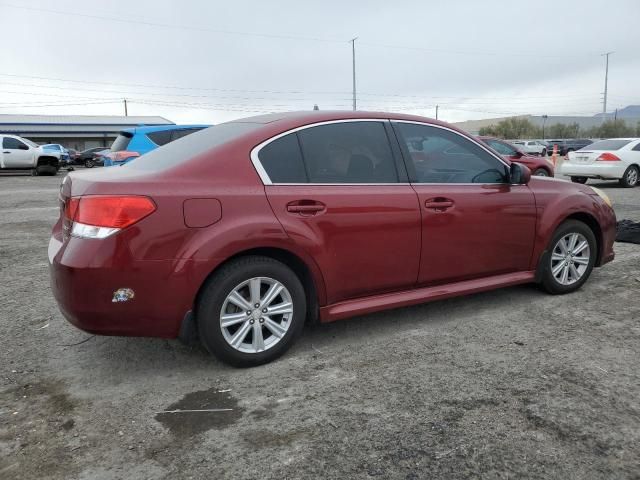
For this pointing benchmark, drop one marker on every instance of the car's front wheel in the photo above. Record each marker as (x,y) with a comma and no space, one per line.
(570,258)
(543,153)
(582,180)
(631,177)
(540,172)
(251,311)
(89,163)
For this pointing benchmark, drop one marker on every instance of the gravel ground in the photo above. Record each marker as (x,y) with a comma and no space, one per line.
(506,384)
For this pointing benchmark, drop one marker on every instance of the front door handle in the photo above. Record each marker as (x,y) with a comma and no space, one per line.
(306,207)
(6,152)
(438,203)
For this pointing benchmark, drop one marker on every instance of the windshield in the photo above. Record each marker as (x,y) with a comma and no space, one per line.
(192,145)
(51,147)
(607,145)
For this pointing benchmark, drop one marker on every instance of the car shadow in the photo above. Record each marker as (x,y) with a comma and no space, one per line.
(116,355)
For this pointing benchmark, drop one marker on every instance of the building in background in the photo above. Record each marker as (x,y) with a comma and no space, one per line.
(74,131)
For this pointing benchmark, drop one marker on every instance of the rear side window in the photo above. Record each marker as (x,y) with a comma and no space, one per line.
(121,142)
(176,134)
(608,145)
(160,138)
(282,160)
(501,148)
(348,152)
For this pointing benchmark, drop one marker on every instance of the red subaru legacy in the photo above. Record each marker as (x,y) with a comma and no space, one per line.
(540,166)
(240,232)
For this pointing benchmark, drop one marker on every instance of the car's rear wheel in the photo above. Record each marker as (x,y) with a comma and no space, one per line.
(582,180)
(540,172)
(251,311)
(543,153)
(570,258)
(631,177)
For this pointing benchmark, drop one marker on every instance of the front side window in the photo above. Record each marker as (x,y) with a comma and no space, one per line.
(348,152)
(441,156)
(13,144)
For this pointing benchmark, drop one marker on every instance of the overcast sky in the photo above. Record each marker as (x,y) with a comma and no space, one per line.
(197,61)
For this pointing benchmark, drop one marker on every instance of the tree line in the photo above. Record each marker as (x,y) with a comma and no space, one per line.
(514,127)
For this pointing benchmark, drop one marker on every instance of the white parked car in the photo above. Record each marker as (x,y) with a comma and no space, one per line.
(18,153)
(534,147)
(612,159)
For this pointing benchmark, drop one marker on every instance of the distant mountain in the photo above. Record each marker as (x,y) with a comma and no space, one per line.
(631,111)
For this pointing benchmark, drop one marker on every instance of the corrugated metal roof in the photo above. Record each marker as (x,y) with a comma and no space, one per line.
(81,120)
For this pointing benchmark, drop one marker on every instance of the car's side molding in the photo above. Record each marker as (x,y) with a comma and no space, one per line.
(361,306)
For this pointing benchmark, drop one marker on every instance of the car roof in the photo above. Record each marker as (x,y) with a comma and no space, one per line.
(289,120)
(161,128)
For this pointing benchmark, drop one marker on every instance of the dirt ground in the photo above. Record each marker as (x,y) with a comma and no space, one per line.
(507,384)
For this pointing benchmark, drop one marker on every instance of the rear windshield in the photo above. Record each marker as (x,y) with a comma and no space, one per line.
(608,145)
(122,142)
(192,145)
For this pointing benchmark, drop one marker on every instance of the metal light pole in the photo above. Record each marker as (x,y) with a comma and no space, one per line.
(544,120)
(126,112)
(437,106)
(353,59)
(606,81)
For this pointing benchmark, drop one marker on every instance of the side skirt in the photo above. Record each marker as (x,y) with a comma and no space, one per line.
(375,303)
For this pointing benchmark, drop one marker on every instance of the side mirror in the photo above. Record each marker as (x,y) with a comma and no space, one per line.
(519,174)
(23,147)
(518,154)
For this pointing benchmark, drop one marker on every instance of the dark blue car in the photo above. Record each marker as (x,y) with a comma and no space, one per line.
(133,142)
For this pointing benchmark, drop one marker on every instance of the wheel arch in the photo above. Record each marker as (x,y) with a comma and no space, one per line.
(47,160)
(309,275)
(593,225)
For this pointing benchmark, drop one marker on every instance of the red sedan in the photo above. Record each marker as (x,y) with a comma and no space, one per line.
(540,166)
(241,232)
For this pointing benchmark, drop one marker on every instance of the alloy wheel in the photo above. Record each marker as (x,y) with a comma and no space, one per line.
(570,258)
(256,315)
(632,176)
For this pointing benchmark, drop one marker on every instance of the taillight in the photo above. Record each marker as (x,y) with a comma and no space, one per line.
(123,155)
(98,216)
(607,157)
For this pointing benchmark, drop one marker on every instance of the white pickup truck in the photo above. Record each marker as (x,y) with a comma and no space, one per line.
(18,153)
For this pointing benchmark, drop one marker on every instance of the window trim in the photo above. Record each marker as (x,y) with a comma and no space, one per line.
(469,138)
(266,180)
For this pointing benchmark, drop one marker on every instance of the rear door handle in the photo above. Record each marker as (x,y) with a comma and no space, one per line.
(438,203)
(306,207)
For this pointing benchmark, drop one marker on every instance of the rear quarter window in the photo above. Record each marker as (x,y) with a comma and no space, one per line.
(282,160)
(608,145)
(160,138)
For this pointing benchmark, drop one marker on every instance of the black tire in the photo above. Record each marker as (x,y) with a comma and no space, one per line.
(582,180)
(540,172)
(221,283)
(547,280)
(89,163)
(44,170)
(631,177)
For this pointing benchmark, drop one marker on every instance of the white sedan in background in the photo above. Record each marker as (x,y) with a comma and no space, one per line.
(534,147)
(612,159)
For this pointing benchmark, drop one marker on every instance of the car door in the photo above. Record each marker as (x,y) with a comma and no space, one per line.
(16,153)
(474,223)
(342,195)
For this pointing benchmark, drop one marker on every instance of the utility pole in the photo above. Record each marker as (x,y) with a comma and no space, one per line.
(606,81)
(126,113)
(437,106)
(353,59)
(544,120)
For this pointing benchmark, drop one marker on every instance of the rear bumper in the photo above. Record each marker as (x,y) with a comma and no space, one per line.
(604,170)
(86,276)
